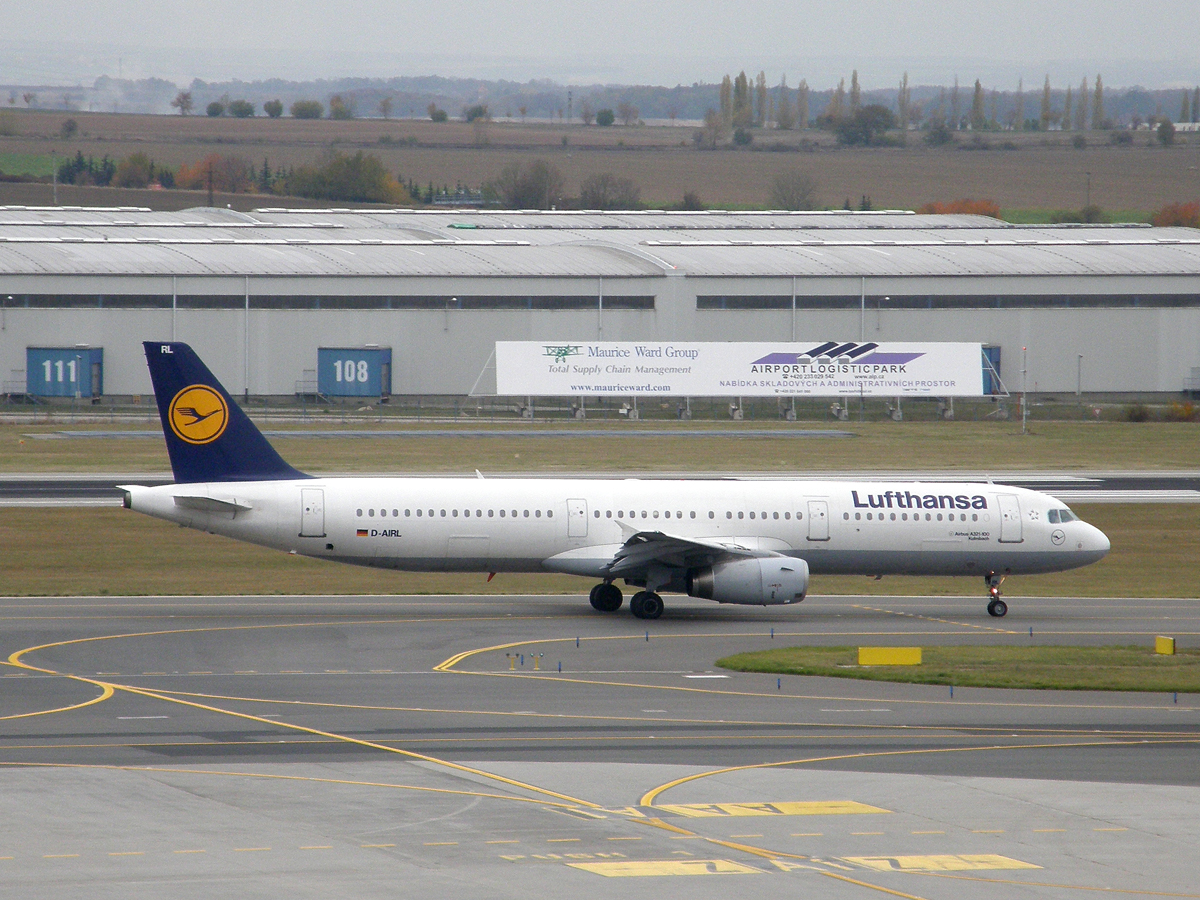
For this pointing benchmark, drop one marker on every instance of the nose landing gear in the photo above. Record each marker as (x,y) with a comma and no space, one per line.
(996,607)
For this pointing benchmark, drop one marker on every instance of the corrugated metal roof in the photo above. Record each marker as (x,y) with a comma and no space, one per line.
(471,243)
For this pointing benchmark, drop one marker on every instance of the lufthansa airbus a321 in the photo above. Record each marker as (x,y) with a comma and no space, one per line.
(745,542)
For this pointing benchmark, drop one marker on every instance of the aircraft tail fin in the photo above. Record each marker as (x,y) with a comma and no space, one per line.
(209,437)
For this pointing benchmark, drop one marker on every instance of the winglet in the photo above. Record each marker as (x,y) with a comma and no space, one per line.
(209,437)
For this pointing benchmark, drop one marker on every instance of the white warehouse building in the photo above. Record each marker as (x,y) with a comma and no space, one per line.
(258,294)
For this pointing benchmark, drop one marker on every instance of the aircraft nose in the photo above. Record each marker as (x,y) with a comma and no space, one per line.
(1097,542)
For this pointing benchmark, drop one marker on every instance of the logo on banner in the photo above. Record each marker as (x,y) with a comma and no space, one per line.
(198,414)
(561,352)
(853,354)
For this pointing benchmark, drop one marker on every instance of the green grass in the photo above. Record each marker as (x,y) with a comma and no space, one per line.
(72,552)
(1053,668)
(992,447)
(27,163)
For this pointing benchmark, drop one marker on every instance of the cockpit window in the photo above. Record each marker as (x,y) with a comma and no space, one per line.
(1052,517)
(1068,516)
(1055,516)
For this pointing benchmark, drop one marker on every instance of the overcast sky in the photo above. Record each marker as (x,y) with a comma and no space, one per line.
(1153,42)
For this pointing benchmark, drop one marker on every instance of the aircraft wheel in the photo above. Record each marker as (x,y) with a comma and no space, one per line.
(646,605)
(606,597)
(997,608)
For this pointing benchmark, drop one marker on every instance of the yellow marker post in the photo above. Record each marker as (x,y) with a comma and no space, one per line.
(512,661)
(889,656)
(1164,645)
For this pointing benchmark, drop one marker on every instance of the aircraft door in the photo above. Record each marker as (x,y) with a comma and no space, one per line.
(577,523)
(818,520)
(312,512)
(1010,518)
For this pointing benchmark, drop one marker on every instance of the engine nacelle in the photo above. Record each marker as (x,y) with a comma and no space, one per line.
(757,582)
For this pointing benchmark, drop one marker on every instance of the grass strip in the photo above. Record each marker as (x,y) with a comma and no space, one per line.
(1129,668)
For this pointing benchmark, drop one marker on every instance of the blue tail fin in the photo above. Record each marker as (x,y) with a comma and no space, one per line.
(209,438)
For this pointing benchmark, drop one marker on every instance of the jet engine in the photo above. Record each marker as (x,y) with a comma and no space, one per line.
(754,582)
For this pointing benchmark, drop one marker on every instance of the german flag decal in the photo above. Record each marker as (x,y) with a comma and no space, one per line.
(362,532)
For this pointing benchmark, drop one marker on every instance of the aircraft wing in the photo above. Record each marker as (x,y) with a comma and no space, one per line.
(643,549)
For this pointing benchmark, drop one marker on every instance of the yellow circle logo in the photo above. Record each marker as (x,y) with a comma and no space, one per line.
(198,414)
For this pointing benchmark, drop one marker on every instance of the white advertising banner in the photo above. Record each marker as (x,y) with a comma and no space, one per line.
(681,369)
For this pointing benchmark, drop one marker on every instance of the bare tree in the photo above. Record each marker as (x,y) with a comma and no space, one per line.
(29,98)
(538,185)
(385,106)
(627,112)
(587,113)
(793,190)
(183,102)
(707,136)
(607,191)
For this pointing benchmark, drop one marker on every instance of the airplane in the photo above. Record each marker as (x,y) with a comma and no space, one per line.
(731,541)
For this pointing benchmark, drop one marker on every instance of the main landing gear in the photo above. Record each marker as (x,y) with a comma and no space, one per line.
(646,605)
(996,607)
(606,597)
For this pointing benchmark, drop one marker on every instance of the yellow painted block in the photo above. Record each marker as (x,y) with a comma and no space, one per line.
(889,656)
(940,863)
(643,868)
(1164,645)
(780,808)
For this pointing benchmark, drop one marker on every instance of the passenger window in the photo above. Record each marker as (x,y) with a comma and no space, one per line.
(693,514)
(479,513)
(974,517)
(846,516)
(371,513)
(644,514)
(527,514)
(656,514)
(608,514)
(454,512)
(869,517)
(667,514)
(360,513)
(893,517)
(408,514)
(443,514)
(537,513)
(751,516)
(418,513)
(728,514)
(858,516)
(939,515)
(774,515)
(491,513)
(679,514)
(741,515)
(396,513)
(788,515)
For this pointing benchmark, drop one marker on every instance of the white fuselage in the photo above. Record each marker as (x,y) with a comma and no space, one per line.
(576,525)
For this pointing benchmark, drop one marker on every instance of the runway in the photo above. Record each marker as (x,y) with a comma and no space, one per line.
(390,746)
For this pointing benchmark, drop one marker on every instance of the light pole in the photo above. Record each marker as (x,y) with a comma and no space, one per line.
(1024,396)
(1088,196)
(1079,378)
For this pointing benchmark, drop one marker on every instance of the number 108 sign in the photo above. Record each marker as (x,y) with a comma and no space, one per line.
(354,371)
